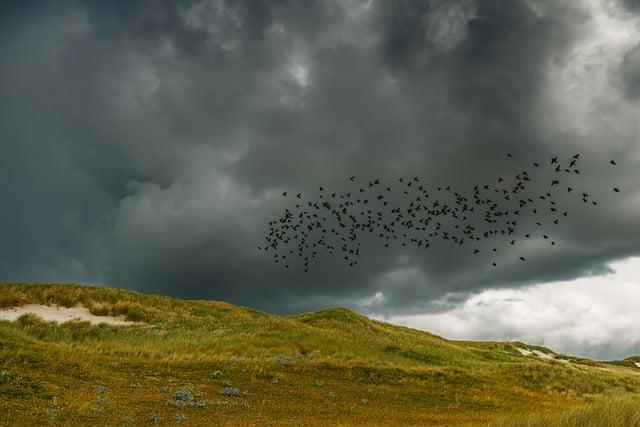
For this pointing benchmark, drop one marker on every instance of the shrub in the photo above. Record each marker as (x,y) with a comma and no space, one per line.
(131,310)
(185,397)
(216,375)
(99,309)
(29,319)
(13,299)
(230,391)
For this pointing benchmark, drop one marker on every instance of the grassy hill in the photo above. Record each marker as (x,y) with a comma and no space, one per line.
(212,363)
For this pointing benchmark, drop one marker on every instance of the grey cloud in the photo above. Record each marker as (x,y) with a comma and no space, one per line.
(171,128)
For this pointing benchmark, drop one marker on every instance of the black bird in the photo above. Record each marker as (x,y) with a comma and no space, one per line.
(554,160)
(522,258)
(299,195)
(617,190)
(352,178)
(509,155)
(284,194)
(613,162)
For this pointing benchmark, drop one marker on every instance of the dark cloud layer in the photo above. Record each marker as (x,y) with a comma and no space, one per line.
(144,144)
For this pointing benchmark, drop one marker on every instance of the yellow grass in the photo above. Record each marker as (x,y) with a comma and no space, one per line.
(331,367)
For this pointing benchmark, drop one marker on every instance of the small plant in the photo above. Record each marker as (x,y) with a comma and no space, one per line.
(216,375)
(230,391)
(155,419)
(227,383)
(180,418)
(101,400)
(101,389)
(317,383)
(183,394)
(185,397)
(6,373)
(164,389)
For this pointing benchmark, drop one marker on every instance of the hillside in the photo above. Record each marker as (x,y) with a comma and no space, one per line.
(213,363)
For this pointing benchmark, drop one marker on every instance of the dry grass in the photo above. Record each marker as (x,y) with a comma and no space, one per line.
(328,367)
(621,411)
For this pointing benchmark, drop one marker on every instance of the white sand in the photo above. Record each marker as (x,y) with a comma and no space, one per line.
(637,364)
(62,314)
(524,351)
(540,354)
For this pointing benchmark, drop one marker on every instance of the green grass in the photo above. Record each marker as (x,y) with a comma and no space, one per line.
(333,366)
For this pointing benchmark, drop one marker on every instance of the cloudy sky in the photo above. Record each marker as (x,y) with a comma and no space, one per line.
(145,144)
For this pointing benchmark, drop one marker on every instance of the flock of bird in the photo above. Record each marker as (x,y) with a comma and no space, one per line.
(335,221)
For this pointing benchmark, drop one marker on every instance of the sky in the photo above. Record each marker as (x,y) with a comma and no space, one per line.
(145,145)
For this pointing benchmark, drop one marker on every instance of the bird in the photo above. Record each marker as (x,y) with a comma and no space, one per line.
(522,258)
(613,162)
(451,218)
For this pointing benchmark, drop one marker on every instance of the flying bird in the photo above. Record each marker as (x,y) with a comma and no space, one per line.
(336,225)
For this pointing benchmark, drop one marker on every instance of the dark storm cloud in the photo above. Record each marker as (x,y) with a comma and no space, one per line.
(146,143)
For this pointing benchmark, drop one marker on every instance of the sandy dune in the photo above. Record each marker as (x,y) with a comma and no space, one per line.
(61,314)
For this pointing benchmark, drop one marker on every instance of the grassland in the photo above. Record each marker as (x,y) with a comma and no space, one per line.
(212,363)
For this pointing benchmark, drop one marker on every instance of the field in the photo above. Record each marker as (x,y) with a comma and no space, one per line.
(210,363)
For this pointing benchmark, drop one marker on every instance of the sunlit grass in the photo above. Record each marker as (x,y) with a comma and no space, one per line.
(620,411)
(328,367)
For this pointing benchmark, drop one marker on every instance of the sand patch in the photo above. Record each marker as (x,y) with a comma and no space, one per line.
(540,354)
(62,314)
(637,364)
(524,351)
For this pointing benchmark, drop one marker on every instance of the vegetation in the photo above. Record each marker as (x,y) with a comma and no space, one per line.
(212,363)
